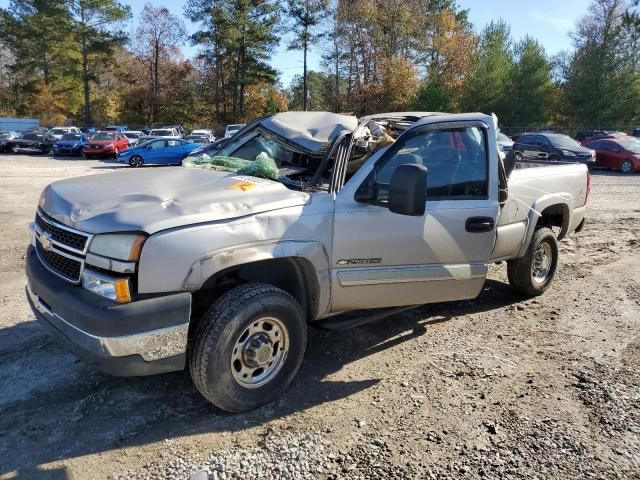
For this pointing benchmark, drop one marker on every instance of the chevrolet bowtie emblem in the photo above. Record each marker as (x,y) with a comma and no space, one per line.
(45,240)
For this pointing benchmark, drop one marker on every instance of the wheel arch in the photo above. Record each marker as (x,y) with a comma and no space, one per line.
(549,211)
(299,268)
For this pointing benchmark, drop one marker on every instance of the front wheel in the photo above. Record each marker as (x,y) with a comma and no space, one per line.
(136,161)
(532,273)
(626,167)
(248,347)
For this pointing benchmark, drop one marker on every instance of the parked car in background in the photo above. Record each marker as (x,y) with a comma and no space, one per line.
(133,136)
(206,133)
(552,147)
(200,140)
(115,128)
(160,151)
(231,130)
(8,135)
(610,134)
(165,133)
(178,128)
(105,144)
(35,141)
(504,143)
(56,133)
(621,153)
(70,144)
(5,137)
(636,132)
(88,130)
(588,134)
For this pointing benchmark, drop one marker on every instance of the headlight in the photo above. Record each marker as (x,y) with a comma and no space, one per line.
(568,153)
(108,147)
(121,246)
(116,289)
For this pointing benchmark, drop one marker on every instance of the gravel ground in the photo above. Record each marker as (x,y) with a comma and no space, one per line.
(497,387)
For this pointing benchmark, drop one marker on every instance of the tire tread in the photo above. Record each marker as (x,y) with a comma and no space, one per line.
(519,269)
(214,322)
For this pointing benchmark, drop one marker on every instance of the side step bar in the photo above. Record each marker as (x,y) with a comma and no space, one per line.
(343,322)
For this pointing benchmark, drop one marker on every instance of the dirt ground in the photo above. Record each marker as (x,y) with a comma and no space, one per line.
(497,387)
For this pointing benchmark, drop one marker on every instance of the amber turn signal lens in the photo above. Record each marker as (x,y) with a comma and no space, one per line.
(123,295)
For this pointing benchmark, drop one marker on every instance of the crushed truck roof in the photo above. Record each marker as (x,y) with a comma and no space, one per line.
(311,131)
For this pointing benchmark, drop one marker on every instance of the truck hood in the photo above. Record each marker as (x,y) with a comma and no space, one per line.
(151,200)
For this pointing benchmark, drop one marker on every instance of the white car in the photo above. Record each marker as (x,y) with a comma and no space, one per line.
(133,136)
(205,133)
(56,133)
(231,130)
(165,133)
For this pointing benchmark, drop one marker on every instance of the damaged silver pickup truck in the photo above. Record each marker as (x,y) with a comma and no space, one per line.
(215,267)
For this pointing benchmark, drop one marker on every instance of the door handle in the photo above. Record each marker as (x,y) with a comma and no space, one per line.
(479,224)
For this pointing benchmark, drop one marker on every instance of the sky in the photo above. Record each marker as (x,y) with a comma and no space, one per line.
(549,21)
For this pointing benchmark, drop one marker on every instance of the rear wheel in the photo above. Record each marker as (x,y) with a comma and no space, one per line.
(626,166)
(136,161)
(248,347)
(533,273)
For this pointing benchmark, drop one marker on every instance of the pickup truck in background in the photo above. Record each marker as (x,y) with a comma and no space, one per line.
(149,271)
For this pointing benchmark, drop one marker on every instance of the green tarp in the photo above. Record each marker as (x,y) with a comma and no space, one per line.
(263,166)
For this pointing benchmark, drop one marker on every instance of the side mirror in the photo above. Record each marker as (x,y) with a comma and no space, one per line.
(408,190)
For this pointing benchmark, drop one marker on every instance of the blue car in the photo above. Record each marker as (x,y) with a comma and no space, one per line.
(159,151)
(70,144)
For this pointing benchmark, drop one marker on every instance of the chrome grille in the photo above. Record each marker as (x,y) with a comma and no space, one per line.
(61,249)
(66,267)
(65,236)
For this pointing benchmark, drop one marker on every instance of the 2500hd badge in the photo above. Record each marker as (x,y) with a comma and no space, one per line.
(359,261)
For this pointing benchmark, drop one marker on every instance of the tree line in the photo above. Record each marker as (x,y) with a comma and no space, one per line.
(91,62)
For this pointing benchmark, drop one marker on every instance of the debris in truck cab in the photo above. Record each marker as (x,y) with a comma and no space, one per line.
(263,166)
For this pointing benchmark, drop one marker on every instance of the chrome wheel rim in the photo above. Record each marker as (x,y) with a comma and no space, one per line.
(626,167)
(259,352)
(542,260)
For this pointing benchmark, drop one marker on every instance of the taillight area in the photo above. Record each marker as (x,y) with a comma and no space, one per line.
(586,197)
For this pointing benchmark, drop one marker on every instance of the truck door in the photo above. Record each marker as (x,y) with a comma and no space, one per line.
(380,258)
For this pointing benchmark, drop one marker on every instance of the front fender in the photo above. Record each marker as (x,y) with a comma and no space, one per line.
(313,252)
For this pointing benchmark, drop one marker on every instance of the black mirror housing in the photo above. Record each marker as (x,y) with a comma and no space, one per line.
(408,190)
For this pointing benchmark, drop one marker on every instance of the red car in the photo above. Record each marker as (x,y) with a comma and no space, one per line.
(622,153)
(105,144)
(602,136)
